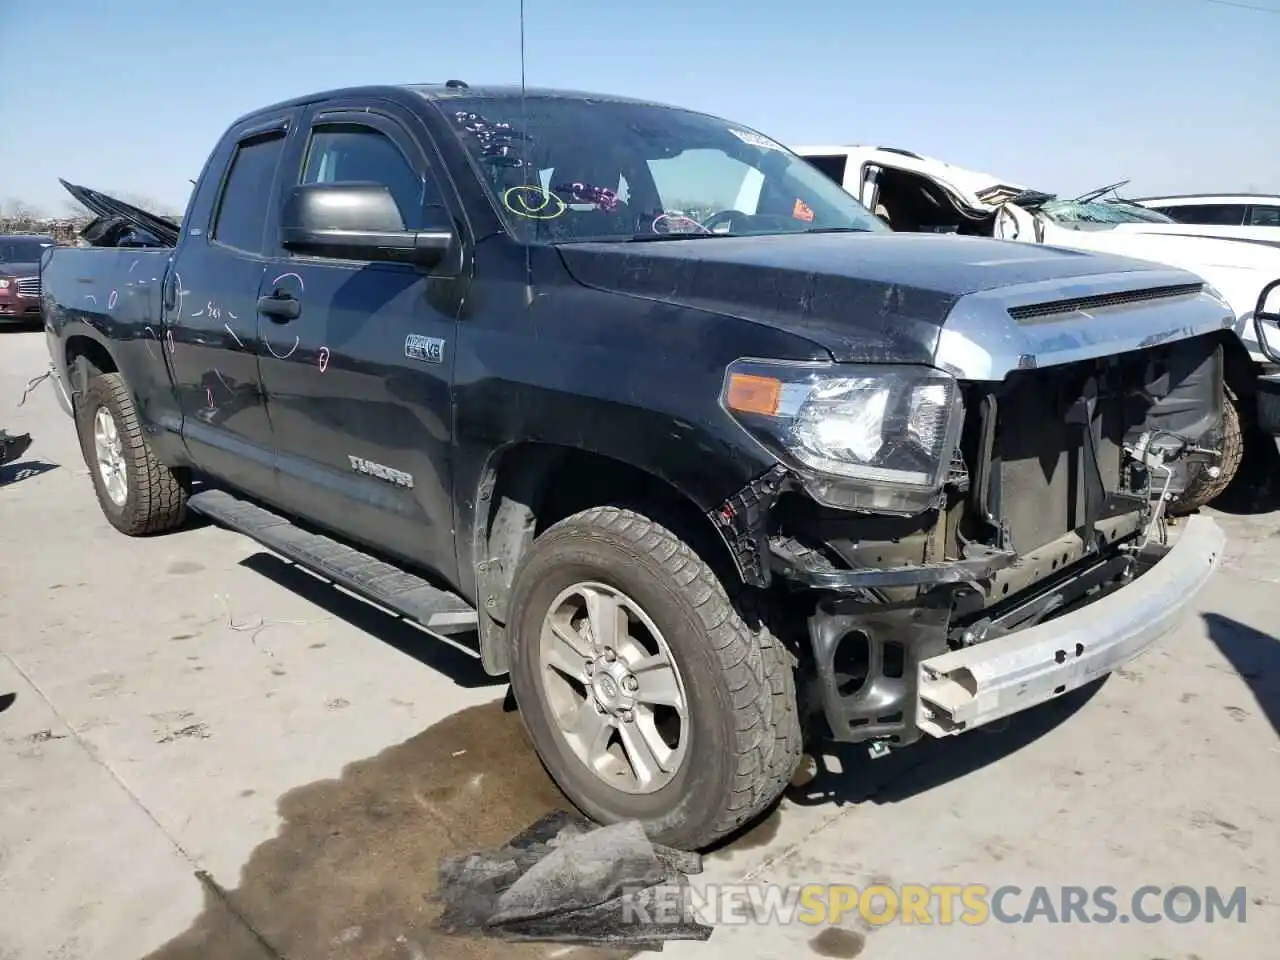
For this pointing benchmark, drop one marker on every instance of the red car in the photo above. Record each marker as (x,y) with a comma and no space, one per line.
(20,276)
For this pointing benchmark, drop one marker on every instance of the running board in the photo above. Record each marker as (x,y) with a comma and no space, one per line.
(373,579)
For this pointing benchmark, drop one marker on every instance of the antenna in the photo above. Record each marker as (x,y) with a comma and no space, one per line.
(524,164)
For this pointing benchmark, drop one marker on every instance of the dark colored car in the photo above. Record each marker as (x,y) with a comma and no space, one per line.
(711,460)
(20,276)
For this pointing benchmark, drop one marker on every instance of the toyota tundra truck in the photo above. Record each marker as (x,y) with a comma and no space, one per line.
(709,479)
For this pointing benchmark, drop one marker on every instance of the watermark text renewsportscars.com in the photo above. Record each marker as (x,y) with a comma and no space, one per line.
(939,903)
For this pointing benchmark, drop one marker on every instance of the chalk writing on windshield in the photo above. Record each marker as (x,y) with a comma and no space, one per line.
(497,140)
(601,197)
(533,203)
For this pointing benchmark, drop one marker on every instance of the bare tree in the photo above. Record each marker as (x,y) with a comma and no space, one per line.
(17,210)
(149,204)
(140,200)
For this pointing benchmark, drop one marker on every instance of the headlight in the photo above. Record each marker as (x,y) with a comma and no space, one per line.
(4,284)
(862,437)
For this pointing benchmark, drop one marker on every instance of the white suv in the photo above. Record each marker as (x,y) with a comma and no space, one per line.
(1244,216)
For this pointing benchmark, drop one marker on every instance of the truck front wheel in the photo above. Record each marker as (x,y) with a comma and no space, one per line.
(646,693)
(138,494)
(1204,487)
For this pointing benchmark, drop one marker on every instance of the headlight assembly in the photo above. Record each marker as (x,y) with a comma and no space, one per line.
(876,438)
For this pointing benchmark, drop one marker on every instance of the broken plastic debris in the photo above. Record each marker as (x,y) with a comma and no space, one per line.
(567,880)
(13,446)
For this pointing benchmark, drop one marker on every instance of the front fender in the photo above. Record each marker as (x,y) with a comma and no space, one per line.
(502,497)
(690,459)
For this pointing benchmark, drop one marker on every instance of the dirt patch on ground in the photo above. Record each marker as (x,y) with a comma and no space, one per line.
(353,869)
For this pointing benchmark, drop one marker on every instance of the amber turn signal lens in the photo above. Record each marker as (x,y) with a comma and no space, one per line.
(753,394)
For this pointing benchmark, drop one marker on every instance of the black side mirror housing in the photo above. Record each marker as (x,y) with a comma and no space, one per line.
(357,221)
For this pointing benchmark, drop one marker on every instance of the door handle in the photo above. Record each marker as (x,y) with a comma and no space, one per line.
(280,307)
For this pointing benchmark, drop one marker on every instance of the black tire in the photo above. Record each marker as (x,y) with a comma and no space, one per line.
(1203,489)
(744,729)
(155,497)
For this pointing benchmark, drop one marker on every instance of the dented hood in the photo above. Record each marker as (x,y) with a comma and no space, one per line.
(865,297)
(108,208)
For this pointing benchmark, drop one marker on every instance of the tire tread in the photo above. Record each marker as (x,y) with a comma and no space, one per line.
(157,499)
(1204,489)
(757,666)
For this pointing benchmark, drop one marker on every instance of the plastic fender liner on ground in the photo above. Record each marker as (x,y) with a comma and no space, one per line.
(567,880)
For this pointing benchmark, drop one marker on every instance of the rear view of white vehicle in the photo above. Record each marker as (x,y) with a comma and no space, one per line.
(914,193)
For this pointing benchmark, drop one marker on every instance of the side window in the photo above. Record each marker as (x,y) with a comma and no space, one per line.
(1260,216)
(1208,214)
(833,166)
(348,153)
(242,209)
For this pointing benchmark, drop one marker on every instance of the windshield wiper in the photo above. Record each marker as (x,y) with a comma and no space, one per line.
(1095,194)
(653,237)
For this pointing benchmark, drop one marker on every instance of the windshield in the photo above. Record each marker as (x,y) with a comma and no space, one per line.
(23,251)
(608,170)
(1072,211)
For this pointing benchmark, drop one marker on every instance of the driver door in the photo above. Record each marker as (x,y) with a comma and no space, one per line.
(362,417)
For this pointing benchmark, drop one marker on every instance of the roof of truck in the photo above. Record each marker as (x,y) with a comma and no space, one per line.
(453,90)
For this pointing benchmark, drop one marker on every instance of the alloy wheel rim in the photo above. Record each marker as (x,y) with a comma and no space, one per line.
(109,452)
(613,688)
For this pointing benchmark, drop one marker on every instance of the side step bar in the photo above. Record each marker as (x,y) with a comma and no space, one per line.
(408,595)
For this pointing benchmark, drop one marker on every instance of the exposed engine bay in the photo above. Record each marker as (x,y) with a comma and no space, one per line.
(1054,498)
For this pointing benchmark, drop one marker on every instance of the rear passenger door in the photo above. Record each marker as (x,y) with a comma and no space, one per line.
(211,329)
(359,382)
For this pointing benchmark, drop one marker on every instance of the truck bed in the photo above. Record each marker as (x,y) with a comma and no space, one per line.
(94,294)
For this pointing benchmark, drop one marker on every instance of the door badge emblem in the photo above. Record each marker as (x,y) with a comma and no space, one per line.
(425,349)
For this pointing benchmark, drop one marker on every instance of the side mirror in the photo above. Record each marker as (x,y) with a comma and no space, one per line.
(357,221)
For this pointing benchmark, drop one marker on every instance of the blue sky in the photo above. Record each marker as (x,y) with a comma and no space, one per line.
(1063,95)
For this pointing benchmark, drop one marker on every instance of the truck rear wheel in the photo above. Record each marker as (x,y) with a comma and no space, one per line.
(137,493)
(646,693)
(1203,489)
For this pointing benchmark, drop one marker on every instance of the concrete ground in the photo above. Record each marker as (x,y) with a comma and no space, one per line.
(207,753)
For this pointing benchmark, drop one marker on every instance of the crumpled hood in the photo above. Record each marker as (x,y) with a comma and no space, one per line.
(873,297)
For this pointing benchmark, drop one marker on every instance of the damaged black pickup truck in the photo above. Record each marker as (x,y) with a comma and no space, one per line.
(705,475)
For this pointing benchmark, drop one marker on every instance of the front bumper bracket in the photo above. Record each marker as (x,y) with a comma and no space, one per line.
(966,688)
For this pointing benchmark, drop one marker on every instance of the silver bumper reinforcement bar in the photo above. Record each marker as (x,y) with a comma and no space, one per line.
(967,688)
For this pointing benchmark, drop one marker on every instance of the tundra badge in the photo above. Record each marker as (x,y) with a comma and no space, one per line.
(381,471)
(426,349)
